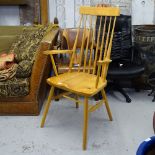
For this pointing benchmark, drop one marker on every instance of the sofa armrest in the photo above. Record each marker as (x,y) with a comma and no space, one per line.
(38,67)
(41,70)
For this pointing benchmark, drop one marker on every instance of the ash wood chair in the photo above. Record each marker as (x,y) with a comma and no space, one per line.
(85,82)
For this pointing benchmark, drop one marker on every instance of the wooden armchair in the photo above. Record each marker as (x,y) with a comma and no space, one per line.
(84,82)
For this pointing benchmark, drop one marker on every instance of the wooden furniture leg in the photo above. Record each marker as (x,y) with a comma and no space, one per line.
(85,123)
(47,106)
(107,105)
(77,104)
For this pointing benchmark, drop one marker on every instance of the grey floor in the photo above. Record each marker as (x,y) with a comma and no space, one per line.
(62,134)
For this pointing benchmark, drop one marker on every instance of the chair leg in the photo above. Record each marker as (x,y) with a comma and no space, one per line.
(77,104)
(47,106)
(85,123)
(107,105)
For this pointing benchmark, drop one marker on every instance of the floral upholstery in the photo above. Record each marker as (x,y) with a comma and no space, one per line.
(27,43)
(24,48)
(24,69)
(15,87)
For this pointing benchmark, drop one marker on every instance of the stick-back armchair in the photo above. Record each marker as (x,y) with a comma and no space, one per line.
(86,82)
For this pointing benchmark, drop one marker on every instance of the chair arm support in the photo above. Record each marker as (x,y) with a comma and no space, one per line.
(98,76)
(51,52)
(101,62)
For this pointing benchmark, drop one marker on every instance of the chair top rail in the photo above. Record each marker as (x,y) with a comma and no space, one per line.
(100,11)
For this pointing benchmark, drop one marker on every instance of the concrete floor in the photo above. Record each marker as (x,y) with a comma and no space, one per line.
(62,134)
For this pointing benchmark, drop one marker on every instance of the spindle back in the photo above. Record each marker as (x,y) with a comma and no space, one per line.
(100,48)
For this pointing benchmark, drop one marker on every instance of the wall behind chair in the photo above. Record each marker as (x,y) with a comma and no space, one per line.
(20,14)
(67,11)
(9,15)
(143,12)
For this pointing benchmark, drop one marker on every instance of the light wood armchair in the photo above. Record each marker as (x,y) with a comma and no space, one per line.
(85,82)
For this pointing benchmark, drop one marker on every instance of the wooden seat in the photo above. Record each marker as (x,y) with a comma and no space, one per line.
(88,76)
(77,82)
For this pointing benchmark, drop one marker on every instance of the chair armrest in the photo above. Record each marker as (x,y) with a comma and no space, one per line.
(106,61)
(101,62)
(51,52)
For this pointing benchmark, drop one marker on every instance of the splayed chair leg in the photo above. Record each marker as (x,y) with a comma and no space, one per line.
(85,123)
(47,106)
(107,105)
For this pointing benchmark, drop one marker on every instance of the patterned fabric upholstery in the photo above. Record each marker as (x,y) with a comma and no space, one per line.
(24,69)
(15,87)
(27,43)
(25,48)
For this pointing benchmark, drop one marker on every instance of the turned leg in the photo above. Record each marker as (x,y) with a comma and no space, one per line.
(47,106)
(107,105)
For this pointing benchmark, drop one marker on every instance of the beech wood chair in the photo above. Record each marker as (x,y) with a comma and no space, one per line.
(86,82)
